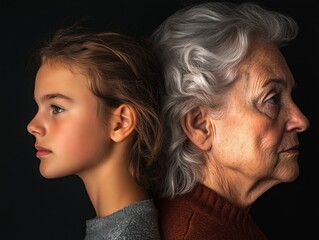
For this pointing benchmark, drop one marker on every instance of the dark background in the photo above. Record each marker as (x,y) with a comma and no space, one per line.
(32,207)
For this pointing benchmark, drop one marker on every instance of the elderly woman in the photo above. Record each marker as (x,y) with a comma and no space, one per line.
(232,124)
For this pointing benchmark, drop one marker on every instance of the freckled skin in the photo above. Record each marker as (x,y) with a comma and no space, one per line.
(254,130)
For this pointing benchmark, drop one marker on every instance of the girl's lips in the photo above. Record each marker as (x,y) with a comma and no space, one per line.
(41,151)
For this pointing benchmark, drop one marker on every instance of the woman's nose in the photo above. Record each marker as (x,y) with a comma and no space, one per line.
(297,120)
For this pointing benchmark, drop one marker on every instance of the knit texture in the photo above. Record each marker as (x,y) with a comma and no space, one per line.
(137,221)
(203,214)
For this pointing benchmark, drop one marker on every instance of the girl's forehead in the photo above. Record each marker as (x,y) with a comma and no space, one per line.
(58,79)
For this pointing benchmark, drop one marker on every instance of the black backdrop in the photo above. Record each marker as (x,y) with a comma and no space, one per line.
(32,207)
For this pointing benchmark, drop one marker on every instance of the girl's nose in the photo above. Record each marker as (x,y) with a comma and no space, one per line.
(35,127)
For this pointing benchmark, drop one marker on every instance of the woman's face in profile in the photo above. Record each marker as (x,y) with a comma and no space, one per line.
(257,135)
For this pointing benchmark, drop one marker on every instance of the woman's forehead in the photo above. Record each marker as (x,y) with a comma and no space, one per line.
(263,63)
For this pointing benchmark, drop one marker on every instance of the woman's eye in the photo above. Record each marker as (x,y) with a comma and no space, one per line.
(56,109)
(272,105)
(275,99)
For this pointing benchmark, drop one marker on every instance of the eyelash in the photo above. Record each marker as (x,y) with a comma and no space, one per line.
(273,105)
(56,109)
(276,98)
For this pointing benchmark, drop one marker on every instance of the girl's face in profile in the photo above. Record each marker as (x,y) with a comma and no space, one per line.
(70,138)
(257,135)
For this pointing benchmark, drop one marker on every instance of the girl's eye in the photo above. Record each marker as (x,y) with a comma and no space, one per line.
(56,109)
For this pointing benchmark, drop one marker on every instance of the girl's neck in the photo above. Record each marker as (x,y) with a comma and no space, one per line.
(112,188)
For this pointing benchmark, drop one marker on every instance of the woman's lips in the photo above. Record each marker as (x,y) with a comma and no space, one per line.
(292,150)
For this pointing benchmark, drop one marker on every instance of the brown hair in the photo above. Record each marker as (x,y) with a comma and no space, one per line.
(120,69)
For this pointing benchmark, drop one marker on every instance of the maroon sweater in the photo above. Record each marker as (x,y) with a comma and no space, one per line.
(203,214)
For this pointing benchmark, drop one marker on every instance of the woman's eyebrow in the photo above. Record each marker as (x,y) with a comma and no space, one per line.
(276,81)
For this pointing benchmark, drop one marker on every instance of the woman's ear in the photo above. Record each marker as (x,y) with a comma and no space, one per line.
(123,122)
(196,126)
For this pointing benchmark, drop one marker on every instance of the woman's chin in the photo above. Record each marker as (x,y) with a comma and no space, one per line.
(290,174)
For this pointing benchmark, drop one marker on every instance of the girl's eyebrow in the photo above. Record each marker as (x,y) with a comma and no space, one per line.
(54,96)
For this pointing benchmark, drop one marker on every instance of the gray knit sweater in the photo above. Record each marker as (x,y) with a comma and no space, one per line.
(137,221)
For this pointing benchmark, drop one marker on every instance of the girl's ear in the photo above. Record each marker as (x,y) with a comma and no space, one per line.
(196,126)
(123,122)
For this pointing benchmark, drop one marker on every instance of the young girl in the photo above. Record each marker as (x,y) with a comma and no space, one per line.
(98,97)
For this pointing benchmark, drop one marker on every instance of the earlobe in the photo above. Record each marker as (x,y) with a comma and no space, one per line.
(196,126)
(123,122)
